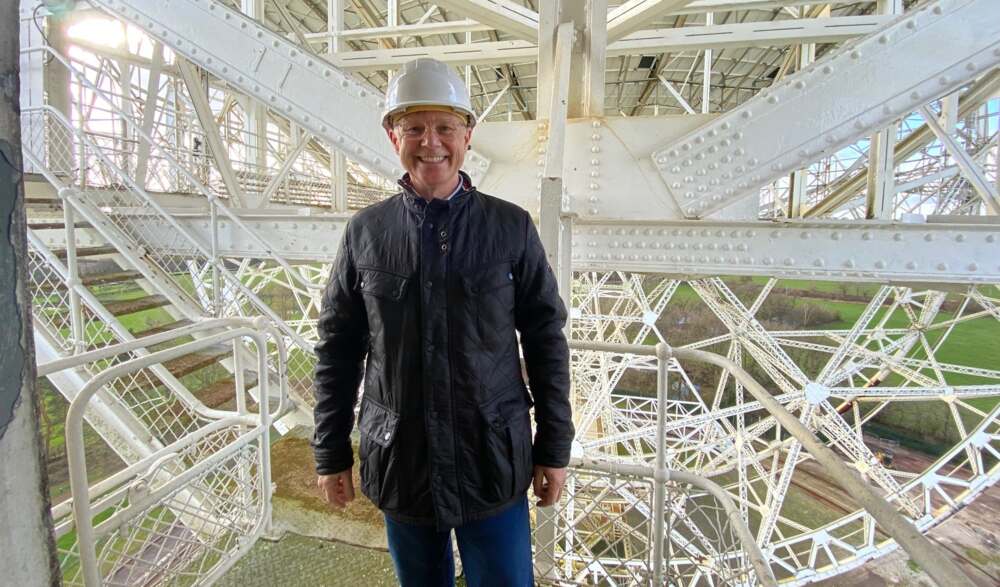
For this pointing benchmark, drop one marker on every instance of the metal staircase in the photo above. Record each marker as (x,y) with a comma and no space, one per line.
(126,223)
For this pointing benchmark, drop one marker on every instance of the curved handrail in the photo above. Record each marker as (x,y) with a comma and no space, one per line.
(75,450)
(753,552)
(941,569)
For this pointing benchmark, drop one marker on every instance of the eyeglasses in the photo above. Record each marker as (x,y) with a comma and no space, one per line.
(443,131)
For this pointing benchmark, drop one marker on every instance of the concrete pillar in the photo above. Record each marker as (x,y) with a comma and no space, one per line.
(26,541)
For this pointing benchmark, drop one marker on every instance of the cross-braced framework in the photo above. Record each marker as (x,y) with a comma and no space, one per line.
(897,354)
(191,169)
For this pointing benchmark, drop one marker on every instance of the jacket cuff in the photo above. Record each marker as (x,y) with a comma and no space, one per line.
(548,456)
(330,461)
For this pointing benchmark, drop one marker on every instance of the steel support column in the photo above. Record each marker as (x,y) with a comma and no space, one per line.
(218,149)
(338,162)
(586,86)
(881,170)
(881,194)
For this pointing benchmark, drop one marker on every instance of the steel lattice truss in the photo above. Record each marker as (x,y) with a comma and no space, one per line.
(140,131)
(836,381)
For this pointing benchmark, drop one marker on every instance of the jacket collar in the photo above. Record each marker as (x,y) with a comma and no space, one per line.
(413,200)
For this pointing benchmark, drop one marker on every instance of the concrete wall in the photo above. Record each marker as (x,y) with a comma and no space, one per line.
(27,553)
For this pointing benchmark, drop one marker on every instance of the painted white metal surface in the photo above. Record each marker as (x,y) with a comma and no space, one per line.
(632,249)
(632,15)
(607,169)
(502,15)
(694,38)
(304,88)
(751,34)
(822,250)
(877,251)
(860,87)
(414,30)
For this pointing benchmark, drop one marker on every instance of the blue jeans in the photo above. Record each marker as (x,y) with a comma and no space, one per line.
(495,551)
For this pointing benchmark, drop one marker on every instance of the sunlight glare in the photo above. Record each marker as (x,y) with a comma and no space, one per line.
(99,31)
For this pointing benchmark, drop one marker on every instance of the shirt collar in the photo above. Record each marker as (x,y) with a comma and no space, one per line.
(458,188)
(464,185)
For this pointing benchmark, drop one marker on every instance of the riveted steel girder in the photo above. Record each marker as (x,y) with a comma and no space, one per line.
(860,87)
(869,251)
(820,250)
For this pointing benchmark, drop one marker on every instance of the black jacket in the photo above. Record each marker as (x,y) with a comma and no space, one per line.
(432,294)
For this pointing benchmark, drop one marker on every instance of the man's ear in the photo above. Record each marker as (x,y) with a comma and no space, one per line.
(391,133)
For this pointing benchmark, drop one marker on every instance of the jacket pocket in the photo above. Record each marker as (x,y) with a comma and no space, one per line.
(508,443)
(383,294)
(378,426)
(382,284)
(378,423)
(491,289)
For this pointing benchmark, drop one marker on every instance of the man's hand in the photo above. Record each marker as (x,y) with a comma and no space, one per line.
(338,488)
(548,484)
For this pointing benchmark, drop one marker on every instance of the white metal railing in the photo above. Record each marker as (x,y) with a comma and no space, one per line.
(155,147)
(185,512)
(80,144)
(623,522)
(937,565)
(127,218)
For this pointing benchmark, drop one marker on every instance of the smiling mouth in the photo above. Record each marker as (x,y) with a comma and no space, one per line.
(432,159)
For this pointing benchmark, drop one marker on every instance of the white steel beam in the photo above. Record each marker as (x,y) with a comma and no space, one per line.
(489,53)
(293,82)
(338,163)
(700,38)
(700,6)
(149,114)
(881,174)
(586,87)
(870,251)
(634,14)
(502,15)
(747,34)
(677,95)
(453,27)
(860,87)
(881,196)
(822,250)
(217,149)
(971,170)
(557,107)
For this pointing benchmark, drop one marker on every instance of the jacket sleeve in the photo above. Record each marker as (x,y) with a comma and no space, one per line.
(540,315)
(340,353)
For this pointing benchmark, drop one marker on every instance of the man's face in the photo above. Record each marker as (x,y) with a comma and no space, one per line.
(431,146)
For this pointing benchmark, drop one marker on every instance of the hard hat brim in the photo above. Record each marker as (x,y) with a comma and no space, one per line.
(403,109)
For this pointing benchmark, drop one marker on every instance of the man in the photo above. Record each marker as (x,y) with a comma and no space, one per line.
(431,285)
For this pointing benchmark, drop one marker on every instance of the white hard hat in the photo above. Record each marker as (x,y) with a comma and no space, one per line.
(426,84)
